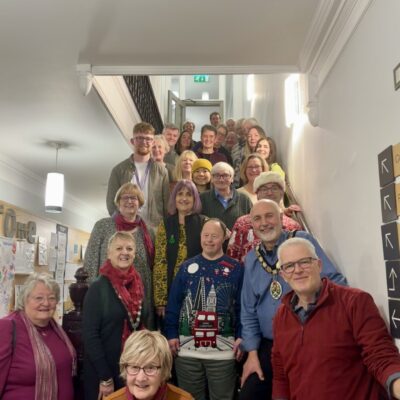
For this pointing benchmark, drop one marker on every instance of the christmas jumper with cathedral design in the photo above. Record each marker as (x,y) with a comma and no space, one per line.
(203,308)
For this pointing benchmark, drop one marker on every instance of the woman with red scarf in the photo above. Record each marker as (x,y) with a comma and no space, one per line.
(112,310)
(128,201)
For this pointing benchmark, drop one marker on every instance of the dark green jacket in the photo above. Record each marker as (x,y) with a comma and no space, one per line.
(239,205)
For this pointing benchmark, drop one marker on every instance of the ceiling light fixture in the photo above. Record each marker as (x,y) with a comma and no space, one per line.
(54,199)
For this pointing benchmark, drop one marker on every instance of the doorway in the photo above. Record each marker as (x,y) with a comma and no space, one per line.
(197,111)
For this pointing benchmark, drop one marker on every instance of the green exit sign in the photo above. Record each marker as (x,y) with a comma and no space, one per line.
(201,78)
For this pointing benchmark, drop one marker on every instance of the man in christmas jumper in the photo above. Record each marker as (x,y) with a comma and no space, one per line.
(202,321)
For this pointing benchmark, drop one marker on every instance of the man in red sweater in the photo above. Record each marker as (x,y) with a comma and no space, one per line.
(330,341)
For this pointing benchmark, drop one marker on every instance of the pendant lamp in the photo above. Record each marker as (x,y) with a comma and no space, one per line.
(54,199)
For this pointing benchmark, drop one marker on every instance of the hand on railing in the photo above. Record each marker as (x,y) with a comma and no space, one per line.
(291,209)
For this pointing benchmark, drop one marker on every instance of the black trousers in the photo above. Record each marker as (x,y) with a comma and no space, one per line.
(254,388)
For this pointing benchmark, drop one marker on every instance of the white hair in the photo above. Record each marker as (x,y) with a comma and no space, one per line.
(297,241)
(31,283)
(222,167)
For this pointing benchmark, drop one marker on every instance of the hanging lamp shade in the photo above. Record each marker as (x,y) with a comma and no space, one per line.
(54,199)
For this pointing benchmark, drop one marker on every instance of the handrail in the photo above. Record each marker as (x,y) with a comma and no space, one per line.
(142,94)
(299,216)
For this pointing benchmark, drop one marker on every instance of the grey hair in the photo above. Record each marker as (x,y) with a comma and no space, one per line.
(297,241)
(173,127)
(31,283)
(251,121)
(222,167)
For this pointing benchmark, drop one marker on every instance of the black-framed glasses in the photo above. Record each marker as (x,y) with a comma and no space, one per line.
(269,189)
(304,263)
(150,370)
(221,176)
(146,139)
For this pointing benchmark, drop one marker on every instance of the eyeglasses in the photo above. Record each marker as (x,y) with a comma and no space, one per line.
(146,139)
(221,176)
(303,263)
(272,189)
(151,370)
(254,167)
(126,197)
(42,299)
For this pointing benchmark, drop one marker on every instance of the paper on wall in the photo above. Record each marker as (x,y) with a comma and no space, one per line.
(70,270)
(24,257)
(7,273)
(42,250)
(17,291)
(53,252)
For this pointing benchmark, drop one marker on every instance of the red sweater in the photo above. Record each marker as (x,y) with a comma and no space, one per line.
(342,352)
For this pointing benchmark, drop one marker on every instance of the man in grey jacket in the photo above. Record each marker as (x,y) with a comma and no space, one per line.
(151,177)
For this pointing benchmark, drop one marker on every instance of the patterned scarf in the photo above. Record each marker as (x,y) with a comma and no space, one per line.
(123,225)
(46,386)
(161,393)
(129,288)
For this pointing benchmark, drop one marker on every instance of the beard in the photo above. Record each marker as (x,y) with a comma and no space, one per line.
(143,150)
(270,235)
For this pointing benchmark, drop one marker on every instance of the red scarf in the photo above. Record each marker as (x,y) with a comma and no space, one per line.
(161,393)
(123,225)
(129,289)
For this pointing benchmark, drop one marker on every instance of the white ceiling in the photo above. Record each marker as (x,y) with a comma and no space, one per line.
(42,41)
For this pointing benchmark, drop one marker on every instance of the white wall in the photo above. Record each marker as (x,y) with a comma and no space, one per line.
(333,168)
(22,188)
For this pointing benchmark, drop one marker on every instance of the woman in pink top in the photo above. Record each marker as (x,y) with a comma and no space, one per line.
(37,360)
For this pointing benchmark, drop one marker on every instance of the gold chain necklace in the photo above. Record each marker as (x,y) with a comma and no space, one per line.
(275,288)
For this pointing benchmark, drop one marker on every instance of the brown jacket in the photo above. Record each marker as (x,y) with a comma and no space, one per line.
(173,393)
(158,190)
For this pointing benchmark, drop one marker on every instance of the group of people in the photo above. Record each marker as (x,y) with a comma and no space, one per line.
(202,269)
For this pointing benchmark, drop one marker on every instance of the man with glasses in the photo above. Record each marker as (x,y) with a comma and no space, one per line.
(222,200)
(202,321)
(268,185)
(149,176)
(263,288)
(345,351)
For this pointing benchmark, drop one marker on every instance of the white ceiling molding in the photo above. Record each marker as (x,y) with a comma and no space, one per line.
(333,24)
(312,106)
(316,35)
(325,41)
(192,70)
(118,101)
(85,77)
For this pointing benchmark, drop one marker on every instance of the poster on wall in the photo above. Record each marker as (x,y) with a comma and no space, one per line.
(17,292)
(53,252)
(62,244)
(7,273)
(42,250)
(24,257)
